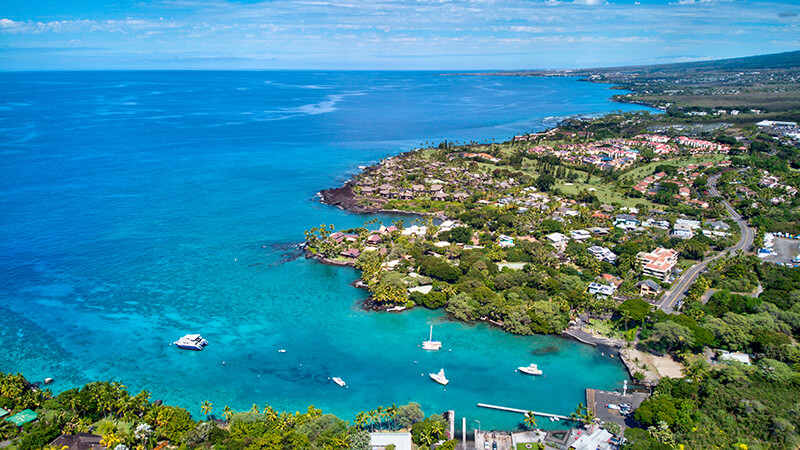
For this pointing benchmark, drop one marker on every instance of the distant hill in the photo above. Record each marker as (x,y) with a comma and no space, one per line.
(771,61)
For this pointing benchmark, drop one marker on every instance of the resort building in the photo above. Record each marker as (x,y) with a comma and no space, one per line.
(658,263)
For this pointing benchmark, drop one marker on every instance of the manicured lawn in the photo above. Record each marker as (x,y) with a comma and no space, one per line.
(604,191)
(646,170)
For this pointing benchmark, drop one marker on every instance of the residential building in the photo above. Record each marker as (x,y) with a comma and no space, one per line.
(601,289)
(557,239)
(505,241)
(580,235)
(658,263)
(649,288)
(602,253)
(693,224)
(662,224)
(739,357)
(626,221)
(682,231)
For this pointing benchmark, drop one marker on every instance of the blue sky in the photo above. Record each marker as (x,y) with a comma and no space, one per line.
(386,34)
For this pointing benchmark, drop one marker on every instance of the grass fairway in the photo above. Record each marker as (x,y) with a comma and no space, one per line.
(646,170)
(605,192)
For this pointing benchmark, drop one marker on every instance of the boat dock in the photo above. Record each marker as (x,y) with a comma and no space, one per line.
(522,411)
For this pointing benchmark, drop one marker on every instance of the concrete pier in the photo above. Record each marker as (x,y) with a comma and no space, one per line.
(522,411)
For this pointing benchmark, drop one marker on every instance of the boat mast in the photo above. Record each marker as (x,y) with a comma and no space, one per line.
(431,338)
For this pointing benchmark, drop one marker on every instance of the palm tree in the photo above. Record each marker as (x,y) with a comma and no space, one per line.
(381,415)
(270,413)
(530,419)
(313,412)
(362,419)
(392,412)
(227,412)
(576,416)
(254,408)
(373,416)
(206,407)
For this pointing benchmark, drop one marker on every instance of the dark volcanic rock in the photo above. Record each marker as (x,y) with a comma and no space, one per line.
(345,198)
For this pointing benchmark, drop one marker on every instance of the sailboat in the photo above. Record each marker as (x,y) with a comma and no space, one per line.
(430,344)
(439,378)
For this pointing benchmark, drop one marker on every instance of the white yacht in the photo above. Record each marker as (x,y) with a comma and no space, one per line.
(531,370)
(339,381)
(191,342)
(439,378)
(430,344)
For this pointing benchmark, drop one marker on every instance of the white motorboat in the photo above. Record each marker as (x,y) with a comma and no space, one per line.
(430,344)
(531,370)
(339,381)
(191,342)
(439,378)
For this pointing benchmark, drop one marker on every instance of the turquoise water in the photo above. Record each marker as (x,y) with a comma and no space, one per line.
(140,206)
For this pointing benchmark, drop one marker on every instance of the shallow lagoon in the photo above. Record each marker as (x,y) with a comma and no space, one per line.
(140,206)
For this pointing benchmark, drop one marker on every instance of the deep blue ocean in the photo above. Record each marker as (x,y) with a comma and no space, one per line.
(136,207)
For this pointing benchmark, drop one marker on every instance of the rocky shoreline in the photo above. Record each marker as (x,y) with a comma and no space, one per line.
(345,198)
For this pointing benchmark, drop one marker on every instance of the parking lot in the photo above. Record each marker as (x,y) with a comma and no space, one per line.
(491,440)
(786,249)
(598,400)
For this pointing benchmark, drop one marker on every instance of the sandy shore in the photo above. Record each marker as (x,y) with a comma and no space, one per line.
(653,366)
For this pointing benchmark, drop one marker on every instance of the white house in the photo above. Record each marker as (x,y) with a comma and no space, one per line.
(401,441)
(693,224)
(602,253)
(557,239)
(601,289)
(580,235)
(682,231)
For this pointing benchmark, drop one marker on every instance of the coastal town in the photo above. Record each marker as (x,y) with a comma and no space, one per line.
(517,235)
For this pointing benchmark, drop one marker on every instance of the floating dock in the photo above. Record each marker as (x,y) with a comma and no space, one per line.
(522,411)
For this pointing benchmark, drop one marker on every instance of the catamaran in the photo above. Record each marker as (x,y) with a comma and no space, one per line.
(191,342)
(339,381)
(530,370)
(439,378)
(430,344)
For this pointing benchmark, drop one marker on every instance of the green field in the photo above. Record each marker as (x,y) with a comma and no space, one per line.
(605,192)
(643,171)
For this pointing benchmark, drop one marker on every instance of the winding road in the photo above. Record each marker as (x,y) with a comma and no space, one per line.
(669,302)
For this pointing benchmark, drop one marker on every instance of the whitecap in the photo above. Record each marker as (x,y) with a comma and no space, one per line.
(325,106)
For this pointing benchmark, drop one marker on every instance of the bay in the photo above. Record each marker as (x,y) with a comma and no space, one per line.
(140,206)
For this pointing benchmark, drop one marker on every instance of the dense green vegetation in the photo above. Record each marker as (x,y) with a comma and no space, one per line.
(133,421)
(732,406)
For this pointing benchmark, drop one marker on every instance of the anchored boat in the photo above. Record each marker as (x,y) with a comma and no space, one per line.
(439,378)
(531,370)
(430,344)
(191,342)
(339,381)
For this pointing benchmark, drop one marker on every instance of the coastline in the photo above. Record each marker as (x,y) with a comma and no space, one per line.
(345,198)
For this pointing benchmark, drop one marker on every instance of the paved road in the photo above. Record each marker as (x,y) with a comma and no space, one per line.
(673,296)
